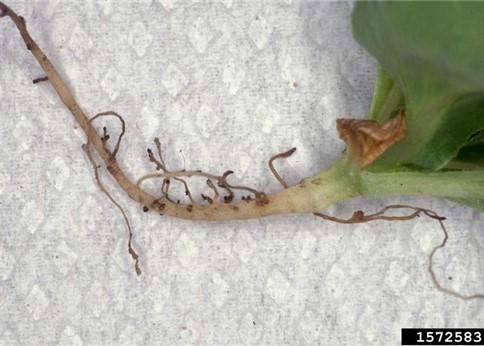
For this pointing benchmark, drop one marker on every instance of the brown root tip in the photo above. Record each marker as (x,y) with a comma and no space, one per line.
(227,173)
(206,198)
(135,258)
(41,79)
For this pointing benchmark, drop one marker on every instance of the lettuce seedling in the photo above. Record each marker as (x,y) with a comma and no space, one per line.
(424,134)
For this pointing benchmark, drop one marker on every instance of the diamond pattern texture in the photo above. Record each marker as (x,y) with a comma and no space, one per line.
(225,84)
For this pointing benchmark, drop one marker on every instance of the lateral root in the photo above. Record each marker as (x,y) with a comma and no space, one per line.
(214,182)
(360,217)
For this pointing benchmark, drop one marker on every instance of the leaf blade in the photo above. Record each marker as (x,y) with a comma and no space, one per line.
(432,51)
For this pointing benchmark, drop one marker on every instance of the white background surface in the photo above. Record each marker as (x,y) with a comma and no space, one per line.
(225,84)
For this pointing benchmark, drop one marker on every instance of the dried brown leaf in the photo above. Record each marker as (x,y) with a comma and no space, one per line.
(367,140)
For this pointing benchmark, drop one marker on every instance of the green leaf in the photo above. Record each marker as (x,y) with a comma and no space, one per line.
(434,53)
(470,157)
(457,123)
(476,138)
(387,97)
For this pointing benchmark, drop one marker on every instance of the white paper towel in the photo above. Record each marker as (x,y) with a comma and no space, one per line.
(225,85)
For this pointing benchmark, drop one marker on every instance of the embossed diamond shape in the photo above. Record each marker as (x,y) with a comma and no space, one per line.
(8,337)
(396,277)
(285,62)
(107,6)
(246,164)
(36,302)
(304,243)
(420,234)
(326,107)
(112,83)
(244,245)
(369,326)
(148,122)
(227,3)
(50,7)
(24,133)
(4,178)
(277,286)
(190,333)
(200,35)
(34,215)
(65,258)
(185,250)
(335,281)
(250,329)
(88,214)
(58,173)
(218,290)
(260,31)
(311,327)
(97,298)
(139,38)
(268,115)
(130,335)
(174,80)
(80,42)
(168,4)
(205,120)
(158,293)
(363,238)
(70,337)
(6,264)
(68,296)
(233,76)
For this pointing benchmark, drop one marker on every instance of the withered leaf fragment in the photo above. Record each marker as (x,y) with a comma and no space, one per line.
(366,140)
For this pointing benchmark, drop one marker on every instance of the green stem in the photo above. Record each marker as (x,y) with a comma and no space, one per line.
(340,182)
(387,97)
(450,184)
